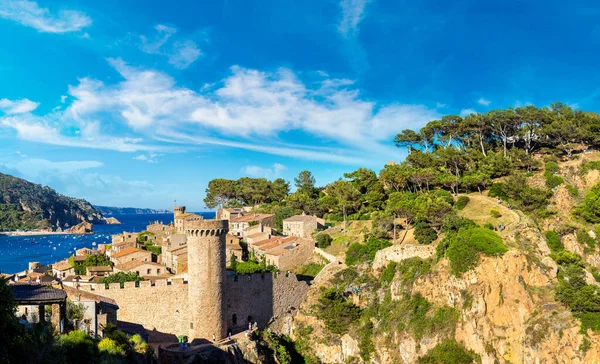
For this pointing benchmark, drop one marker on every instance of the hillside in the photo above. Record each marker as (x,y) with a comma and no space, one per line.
(29,206)
(111,210)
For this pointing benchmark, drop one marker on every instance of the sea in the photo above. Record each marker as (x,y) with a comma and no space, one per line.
(17,251)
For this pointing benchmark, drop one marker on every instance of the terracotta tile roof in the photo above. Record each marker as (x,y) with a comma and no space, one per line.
(74,292)
(252,217)
(300,218)
(134,264)
(78,258)
(285,248)
(127,251)
(251,236)
(62,265)
(31,293)
(278,240)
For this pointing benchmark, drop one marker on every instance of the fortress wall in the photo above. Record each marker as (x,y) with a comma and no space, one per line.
(161,308)
(266,298)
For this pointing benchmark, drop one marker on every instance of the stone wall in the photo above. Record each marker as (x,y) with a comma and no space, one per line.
(290,258)
(398,253)
(161,308)
(263,298)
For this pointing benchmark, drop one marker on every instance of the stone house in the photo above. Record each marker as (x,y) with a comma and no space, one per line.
(124,237)
(284,252)
(174,257)
(230,213)
(234,247)
(143,269)
(302,226)
(99,271)
(238,225)
(79,281)
(99,310)
(86,251)
(184,219)
(129,254)
(62,269)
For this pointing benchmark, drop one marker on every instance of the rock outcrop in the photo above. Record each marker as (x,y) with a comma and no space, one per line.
(82,228)
(112,221)
(398,253)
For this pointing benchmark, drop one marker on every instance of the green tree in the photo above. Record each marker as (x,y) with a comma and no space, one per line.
(305,182)
(121,277)
(219,192)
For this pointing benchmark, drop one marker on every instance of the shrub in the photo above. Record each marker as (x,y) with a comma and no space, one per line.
(449,351)
(365,253)
(495,213)
(464,248)
(461,202)
(324,240)
(497,190)
(444,195)
(489,225)
(110,347)
(337,313)
(553,241)
(572,190)
(565,257)
(425,233)
(412,268)
(551,167)
(454,223)
(590,208)
(553,181)
(121,277)
(365,344)
(388,272)
(77,346)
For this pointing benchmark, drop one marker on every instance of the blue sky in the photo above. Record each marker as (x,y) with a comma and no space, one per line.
(132,103)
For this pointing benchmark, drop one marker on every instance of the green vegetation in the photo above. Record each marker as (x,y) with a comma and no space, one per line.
(252,266)
(281,347)
(388,273)
(411,269)
(590,208)
(28,206)
(94,260)
(39,345)
(462,202)
(337,313)
(464,248)
(495,213)
(121,277)
(552,180)
(449,351)
(324,240)
(554,242)
(365,253)
(309,271)
(424,233)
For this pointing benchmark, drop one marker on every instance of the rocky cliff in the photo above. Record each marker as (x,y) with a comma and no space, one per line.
(28,206)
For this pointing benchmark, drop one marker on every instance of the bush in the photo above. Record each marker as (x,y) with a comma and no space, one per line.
(110,347)
(388,273)
(554,242)
(444,195)
(453,223)
(121,277)
(572,190)
(553,181)
(412,268)
(461,202)
(565,257)
(584,238)
(497,190)
(489,225)
(337,313)
(590,208)
(425,234)
(324,240)
(449,351)
(464,248)
(495,213)
(365,253)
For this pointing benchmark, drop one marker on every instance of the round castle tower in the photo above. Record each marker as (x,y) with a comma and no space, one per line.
(206,278)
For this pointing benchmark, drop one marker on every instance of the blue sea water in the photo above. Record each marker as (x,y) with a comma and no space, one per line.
(17,251)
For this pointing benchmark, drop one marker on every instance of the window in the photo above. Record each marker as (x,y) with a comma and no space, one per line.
(158,271)
(148,271)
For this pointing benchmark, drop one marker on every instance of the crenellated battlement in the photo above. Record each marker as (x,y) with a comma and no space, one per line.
(207,228)
(133,285)
(262,276)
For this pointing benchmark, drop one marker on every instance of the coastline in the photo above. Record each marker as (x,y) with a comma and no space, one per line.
(36,233)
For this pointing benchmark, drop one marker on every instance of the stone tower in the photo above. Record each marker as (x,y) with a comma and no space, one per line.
(178,210)
(206,278)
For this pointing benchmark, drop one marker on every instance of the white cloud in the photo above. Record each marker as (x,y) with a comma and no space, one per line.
(149,158)
(250,107)
(30,14)
(266,172)
(35,167)
(184,54)
(181,53)
(439,105)
(465,112)
(483,102)
(21,106)
(352,14)
(63,98)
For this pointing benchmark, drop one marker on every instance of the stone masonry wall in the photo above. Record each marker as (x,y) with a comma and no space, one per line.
(264,298)
(162,309)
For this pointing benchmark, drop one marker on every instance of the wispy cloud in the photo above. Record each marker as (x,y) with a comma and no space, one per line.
(465,112)
(17,106)
(352,14)
(249,109)
(29,13)
(484,102)
(149,158)
(266,172)
(181,53)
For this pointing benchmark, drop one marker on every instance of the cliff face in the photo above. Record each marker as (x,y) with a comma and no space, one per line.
(26,205)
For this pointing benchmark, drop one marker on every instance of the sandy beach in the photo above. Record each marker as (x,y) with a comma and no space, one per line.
(34,233)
